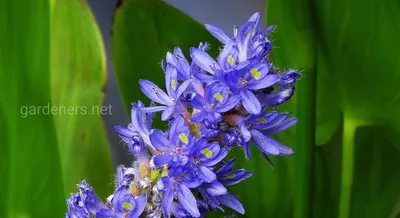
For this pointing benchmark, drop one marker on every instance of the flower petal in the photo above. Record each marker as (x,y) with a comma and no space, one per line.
(167,112)
(183,87)
(281,126)
(216,188)
(162,159)
(244,35)
(267,81)
(204,60)
(227,167)
(152,109)
(171,80)
(231,201)
(153,92)
(234,177)
(187,200)
(218,33)
(159,141)
(106,213)
(178,123)
(245,132)
(246,148)
(141,202)
(167,201)
(265,144)
(184,64)
(221,155)
(255,18)
(250,102)
(198,102)
(279,97)
(199,117)
(231,103)
(228,56)
(206,174)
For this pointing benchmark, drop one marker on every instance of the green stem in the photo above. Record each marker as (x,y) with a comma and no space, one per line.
(349,131)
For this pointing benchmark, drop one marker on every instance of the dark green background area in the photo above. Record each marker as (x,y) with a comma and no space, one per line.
(347,141)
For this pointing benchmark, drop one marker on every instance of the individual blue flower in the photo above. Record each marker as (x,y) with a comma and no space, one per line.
(226,60)
(136,134)
(216,100)
(225,177)
(124,205)
(288,77)
(177,59)
(91,201)
(178,184)
(172,150)
(203,156)
(134,141)
(242,82)
(276,98)
(249,41)
(84,203)
(169,100)
(260,44)
(233,137)
(209,129)
(124,176)
(76,207)
(259,127)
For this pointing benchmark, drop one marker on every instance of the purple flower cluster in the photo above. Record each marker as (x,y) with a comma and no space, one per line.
(211,105)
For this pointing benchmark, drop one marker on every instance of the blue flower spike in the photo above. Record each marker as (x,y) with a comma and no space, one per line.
(212,105)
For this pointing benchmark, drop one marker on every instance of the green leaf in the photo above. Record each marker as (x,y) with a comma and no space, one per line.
(78,73)
(143,32)
(30,171)
(295,47)
(357,65)
(375,176)
(361,62)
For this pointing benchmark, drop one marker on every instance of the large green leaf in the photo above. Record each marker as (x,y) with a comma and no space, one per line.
(357,79)
(30,171)
(143,32)
(78,73)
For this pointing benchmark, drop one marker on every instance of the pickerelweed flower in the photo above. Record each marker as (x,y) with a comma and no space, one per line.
(212,105)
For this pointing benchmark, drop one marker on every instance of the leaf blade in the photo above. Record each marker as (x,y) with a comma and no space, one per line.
(30,160)
(78,76)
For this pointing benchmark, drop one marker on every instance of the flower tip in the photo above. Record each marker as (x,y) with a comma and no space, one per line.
(192,49)
(255,17)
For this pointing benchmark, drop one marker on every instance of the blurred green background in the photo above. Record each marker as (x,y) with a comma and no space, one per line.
(347,140)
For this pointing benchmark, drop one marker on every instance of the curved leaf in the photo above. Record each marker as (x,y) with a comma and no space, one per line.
(31,182)
(143,32)
(78,73)
(357,79)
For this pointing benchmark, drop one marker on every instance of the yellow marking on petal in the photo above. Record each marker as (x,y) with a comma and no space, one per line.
(231,61)
(230,176)
(207,152)
(127,206)
(255,73)
(173,84)
(184,175)
(183,138)
(219,97)
(261,119)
